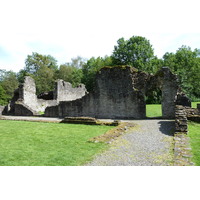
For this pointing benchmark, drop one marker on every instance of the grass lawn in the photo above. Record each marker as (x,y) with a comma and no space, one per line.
(47,144)
(194,104)
(194,134)
(153,110)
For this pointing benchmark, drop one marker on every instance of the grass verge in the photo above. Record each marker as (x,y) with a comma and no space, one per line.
(194,134)
(48,144)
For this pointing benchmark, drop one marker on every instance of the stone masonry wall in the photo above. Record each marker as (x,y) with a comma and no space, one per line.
(25,101)
(169,89)
(115,96)
(65,92)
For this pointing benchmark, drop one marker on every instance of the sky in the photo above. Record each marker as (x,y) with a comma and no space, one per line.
(66,29)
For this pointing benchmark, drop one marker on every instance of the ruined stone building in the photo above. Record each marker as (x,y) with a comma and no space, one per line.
(119,93)
(25,101)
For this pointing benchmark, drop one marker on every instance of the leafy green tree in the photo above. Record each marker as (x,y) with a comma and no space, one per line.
(70,74)
(186,64)
(3,96)
(90,69)
(35,61)
(137,52)
(43,69)
(8,83)
(44,80)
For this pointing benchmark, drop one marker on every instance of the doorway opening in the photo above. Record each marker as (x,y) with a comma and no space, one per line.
(153,104)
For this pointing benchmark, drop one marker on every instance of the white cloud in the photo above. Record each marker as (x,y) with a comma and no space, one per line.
(67,28)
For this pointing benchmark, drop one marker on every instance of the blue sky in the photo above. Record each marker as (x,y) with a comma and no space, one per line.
(69,28)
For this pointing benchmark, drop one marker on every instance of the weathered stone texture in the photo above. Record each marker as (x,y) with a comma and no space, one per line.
(115,96)
(65,92)
(25,102)
(169,92)
(23,110)
(181,120)
(119,93)
(183,100)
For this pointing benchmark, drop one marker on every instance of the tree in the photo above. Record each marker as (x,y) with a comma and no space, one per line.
(70,74)
(137,52)
(90,69)
(3,96)
(35,61)
(44,80)
(43,69)
(8,83)
(186,64)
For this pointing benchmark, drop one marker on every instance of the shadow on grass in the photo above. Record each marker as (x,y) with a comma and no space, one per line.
(167,127)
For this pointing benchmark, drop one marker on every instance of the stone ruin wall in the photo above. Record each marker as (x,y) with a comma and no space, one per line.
(65,92)
(120,93)
(26,102)
(114,96)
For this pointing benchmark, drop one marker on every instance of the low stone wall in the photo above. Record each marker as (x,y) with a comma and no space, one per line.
(180,120)
(23,110)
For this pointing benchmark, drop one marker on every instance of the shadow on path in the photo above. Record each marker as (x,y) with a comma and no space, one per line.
(167,127)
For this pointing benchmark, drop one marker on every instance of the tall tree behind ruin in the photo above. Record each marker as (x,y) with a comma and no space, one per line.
(186,64)
(8,84)
(137,52)
(42,68)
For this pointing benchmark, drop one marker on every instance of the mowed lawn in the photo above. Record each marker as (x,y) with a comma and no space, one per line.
(194,134)
(47,144)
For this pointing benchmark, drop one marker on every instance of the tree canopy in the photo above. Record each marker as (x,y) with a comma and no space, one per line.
(136,51)
(186,64)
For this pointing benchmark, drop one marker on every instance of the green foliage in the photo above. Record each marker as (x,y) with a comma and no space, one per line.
(154,97)
(186,64)
(3,96)
(8,84)
(137,52)
(194,135)
(36,61)
(90,69)
(44,79)
(42,68)
(71,72)
(48,144)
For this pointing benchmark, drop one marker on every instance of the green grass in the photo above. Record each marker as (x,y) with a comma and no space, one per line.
(194,134)
(194,104)
(153,110)
(47,144)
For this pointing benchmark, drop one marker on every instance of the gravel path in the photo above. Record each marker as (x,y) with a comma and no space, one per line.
(150,143)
